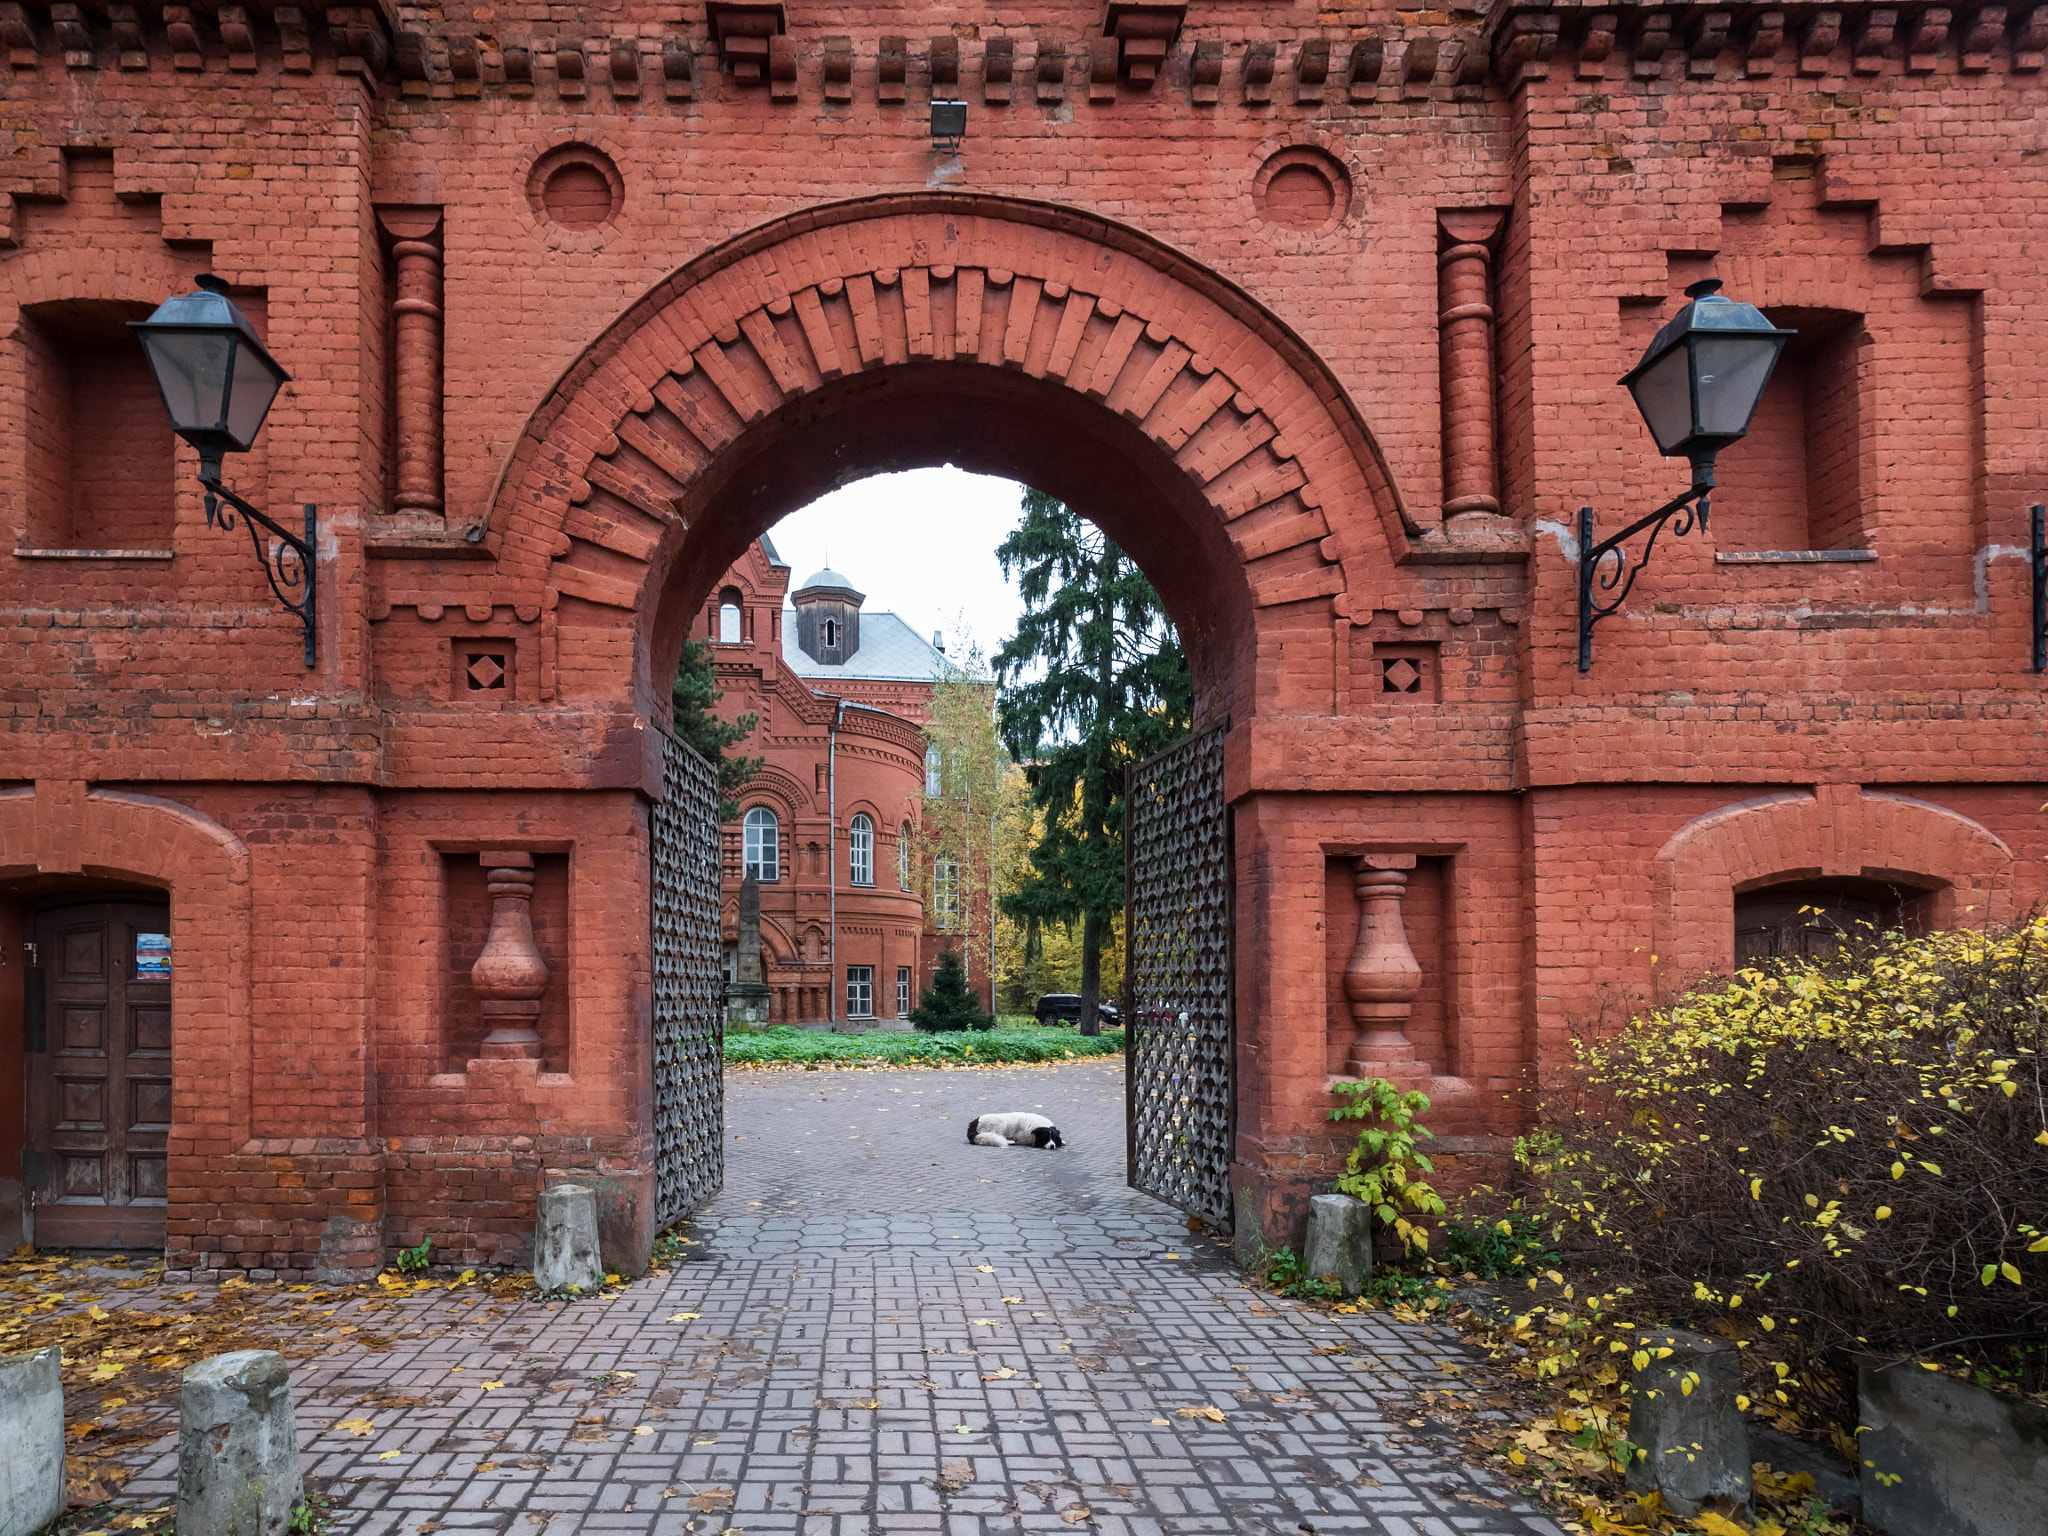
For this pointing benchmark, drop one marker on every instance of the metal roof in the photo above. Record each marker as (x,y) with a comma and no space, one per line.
(889,650)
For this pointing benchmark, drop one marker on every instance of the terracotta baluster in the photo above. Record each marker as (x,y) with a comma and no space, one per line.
(416,369)
(1383,976)
(1465,351)
(510,975)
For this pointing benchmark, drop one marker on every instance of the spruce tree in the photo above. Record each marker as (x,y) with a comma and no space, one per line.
(949,1004)
(694,708)
(1092,681)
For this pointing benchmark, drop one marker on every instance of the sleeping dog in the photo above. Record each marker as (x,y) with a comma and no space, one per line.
(1017,1130)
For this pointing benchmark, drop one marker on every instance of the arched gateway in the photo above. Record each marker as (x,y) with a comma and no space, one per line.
(1011,338)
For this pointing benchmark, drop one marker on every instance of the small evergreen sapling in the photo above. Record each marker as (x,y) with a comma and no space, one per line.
(949,1003)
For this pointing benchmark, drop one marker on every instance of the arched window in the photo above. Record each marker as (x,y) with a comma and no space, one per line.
(831,633)
(934,772)
(860,851)
(903,856)
(764,844)
(729,624)
(945,892)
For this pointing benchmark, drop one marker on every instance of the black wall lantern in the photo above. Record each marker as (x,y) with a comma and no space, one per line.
(1697,387)
(218,381)
(949,125)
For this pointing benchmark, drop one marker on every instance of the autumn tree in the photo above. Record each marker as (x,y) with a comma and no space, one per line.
(1092,681)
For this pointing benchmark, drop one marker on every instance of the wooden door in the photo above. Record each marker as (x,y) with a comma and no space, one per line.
(99,1076)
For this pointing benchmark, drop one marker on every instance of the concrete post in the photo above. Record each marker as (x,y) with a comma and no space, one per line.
(32,1427)
(565,1251)
(1695,1446)
(238,1447)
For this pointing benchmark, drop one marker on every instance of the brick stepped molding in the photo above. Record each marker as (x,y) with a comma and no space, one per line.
(616,467)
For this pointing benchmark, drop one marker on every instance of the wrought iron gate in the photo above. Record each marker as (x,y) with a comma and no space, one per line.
(1180,1076)
(689,987)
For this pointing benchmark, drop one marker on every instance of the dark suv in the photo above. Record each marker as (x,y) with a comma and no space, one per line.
(1065,1007)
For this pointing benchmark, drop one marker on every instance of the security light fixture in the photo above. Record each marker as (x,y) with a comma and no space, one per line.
(1697,386)
(218,380)
(949,125)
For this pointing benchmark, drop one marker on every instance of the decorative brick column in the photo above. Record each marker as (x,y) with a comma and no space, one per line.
(1383,976)
(416,346)
(510,975)
(1465,354)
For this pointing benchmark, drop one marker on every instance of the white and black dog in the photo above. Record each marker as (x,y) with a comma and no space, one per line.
(1018,1130)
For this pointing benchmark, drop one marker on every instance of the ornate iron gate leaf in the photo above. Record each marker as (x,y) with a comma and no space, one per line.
(1179,1044)
(689,987)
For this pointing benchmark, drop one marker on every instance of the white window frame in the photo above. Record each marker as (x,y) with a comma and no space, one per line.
(860,851)
(903,856)
(860,991)
(729,620)
(762,854)
(945,892)
(902,991)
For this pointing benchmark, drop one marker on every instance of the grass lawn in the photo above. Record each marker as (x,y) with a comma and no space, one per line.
(1014,1039)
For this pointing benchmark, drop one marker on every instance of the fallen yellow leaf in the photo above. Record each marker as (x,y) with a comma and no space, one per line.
(1001,1375)
(490,1386)
(107,1370)
(684,1317)
(386,1455)
(1711,1524)
(357,1426)
(1209,1411)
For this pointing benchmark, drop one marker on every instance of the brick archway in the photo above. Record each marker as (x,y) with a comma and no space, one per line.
(65,829)
(1002,335)
(1833,831)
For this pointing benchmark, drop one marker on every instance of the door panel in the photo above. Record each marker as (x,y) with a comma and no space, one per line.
(99,1093)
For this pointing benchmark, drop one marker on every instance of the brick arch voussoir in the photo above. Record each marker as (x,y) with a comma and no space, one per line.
(596,485)
(204,867)
(1833,832)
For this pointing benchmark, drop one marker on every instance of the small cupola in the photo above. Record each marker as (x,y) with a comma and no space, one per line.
(827,617)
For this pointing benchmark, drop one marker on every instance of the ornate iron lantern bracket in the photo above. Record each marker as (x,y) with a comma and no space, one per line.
(290,565)
(1609,558)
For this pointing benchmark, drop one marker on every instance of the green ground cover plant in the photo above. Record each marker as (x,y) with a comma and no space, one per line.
(1012,1041)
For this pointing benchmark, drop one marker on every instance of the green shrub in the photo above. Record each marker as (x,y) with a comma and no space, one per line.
(949,1003)
(1848,1154)
(1022,1044)
(1382,1168)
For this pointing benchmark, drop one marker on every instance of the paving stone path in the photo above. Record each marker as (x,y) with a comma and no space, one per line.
(884,1330)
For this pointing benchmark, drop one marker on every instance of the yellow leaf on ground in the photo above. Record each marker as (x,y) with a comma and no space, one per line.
(357,1426)
(643,1429)
(684,1317)
(1011,1301)
(984,1269)
(386,1455)
(1000,1375)
(106,1370)
(1208,1411)
(1711,1524)
(490,1386)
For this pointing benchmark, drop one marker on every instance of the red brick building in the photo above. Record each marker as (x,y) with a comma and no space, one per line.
(841,695)
(1318,311)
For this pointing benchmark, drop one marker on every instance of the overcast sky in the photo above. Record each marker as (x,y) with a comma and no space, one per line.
(920,545)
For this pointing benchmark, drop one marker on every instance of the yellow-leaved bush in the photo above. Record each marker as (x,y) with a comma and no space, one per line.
(1823,1158)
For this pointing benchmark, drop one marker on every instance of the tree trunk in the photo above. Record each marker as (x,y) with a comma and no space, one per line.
(1091,973)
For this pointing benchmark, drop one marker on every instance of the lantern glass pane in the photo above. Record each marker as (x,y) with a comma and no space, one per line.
(1733,371)
(255,386)
(191,369)
(1663,394)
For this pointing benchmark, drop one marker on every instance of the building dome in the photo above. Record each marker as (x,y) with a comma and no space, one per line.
(825,576)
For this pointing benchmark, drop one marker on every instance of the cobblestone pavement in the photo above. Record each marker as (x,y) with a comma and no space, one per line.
(884,1330)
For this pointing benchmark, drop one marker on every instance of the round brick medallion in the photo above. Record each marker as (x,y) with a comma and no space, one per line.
(575,187)
(1301,189)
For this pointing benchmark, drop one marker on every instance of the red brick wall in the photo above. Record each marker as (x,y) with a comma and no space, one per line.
(1095,299)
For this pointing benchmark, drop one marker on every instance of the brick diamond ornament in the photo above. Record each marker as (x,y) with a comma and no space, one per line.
(486,671)
(1401,676)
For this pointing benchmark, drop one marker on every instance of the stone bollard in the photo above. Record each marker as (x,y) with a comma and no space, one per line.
(238,1447)
(1693,1445)
(1944,1458)
(565,1240)
(1339,1246)
(32,1427)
